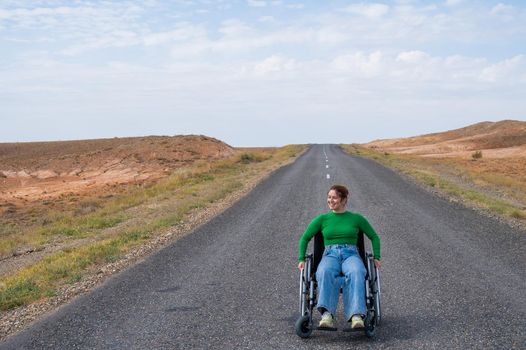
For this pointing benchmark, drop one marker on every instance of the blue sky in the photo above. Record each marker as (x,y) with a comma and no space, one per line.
(257,72)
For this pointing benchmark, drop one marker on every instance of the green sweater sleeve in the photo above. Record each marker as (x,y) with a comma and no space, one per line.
(371,233)
(313,228)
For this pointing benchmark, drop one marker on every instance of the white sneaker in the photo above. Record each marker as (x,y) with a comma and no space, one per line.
(356,322)
(327,321)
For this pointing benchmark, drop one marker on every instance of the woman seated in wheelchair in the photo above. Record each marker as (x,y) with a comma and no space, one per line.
(340,228)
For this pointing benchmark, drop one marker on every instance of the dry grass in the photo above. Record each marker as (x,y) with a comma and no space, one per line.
(106,228)
(497,185)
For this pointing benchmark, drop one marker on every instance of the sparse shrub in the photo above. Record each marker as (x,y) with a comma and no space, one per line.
(205,177)
(99,222)
(246,158)
(66,231)
(476,155)
(87,208)
(519,214)
(19,292)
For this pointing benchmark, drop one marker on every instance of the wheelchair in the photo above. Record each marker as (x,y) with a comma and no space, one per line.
(308,293)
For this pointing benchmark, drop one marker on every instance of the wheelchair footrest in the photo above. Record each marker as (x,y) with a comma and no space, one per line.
(353,329)
(330,329)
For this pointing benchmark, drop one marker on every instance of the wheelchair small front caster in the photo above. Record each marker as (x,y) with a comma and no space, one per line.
(303,326)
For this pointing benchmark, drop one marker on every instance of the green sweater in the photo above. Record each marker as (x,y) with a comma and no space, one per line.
(339,228)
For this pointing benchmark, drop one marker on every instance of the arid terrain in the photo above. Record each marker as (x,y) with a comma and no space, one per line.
(502,146)
(40,171)
(482,164)
(504,139)
(74,212)
(40,179)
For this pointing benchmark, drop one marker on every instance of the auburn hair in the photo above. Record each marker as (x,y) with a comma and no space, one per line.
(342,191)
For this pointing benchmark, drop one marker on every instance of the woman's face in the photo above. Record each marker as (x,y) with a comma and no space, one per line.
(334,201)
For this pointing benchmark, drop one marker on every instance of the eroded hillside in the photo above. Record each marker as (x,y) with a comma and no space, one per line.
(50,170)
(502,139)
(483,165)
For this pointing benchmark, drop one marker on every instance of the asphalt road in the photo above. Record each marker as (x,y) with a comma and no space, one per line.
(451,278)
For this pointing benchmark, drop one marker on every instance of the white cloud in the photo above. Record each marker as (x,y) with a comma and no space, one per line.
(43,11)
(25,15)
(368,10)
(502,9)
(184,32)
(266,19)
(274,63)
(256,3)
(234,27)
(331,35)
(453,2)
(166,62)
(120,38)
(511,69)
(296,6)
(241,38)
(412,56)
(4,14)
(360,63)
(413,68)
(113,39)
(186,2)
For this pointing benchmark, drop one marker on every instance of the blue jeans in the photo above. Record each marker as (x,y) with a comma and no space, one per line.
(341,259)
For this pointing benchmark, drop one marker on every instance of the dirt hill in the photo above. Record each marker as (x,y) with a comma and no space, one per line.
(501,139)
(45,170)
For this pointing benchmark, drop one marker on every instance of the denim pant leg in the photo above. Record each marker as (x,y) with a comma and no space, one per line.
(354,286)
(328,277)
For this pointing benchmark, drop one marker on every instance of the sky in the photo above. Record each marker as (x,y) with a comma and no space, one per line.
(258,72)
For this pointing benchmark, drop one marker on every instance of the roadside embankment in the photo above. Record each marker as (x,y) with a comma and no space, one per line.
(77,247)
(495,186)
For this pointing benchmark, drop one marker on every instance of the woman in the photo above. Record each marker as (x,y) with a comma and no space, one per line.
(340,229)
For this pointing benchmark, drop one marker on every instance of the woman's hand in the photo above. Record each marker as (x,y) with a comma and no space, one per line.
(377,263)
(301,265)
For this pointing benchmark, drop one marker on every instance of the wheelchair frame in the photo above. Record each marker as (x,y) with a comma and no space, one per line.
(308,289)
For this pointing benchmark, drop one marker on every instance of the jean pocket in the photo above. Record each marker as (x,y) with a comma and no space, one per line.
(329,251)
(349,251)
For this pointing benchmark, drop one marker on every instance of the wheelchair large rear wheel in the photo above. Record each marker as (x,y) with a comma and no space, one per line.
(378,299)
(378,309)
(370,325)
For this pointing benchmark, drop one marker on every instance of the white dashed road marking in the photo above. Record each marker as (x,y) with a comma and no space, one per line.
(326,160)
